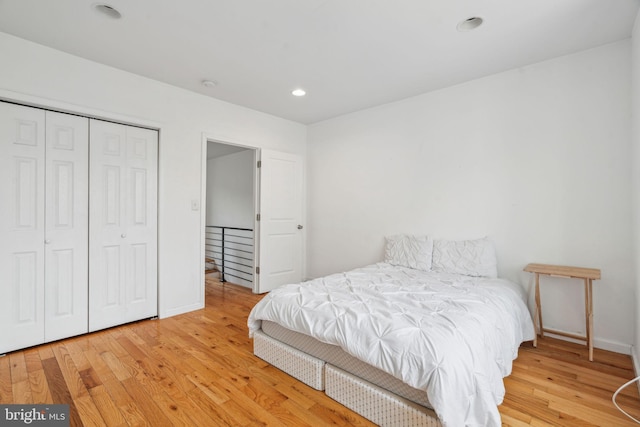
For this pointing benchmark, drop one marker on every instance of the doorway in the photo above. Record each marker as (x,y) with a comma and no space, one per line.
(260,204)
(229,213)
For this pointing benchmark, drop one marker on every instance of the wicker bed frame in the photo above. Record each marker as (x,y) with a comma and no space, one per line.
(371,401)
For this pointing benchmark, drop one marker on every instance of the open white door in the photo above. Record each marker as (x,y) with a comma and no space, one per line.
(280,225)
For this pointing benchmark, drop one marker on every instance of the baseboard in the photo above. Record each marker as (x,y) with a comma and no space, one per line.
(636,364)
(180,310)
(616,347)
(603,344)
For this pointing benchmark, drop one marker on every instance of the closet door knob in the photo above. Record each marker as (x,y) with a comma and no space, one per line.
(123,235)
(47,241)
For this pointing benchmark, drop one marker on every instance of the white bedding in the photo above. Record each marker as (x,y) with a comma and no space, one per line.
(454,336)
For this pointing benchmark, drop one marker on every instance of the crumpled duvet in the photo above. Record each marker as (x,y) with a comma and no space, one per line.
(454,336)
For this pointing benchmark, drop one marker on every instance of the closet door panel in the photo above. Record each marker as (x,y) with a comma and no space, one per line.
(123,225)
(22,143)
(141,223)
(66,248)
(107,306)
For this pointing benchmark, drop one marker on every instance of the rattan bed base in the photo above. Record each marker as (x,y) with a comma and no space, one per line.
(372,402)
(300,365)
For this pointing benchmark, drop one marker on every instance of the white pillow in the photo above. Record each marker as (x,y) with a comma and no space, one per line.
(469,257)
(409,251)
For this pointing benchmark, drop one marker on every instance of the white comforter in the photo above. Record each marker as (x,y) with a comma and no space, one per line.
(453,336)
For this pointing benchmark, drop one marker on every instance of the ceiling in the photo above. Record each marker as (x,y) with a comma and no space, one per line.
(347,54)
(216,149)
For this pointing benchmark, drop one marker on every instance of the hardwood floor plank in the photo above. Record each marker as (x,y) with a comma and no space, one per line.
(80,360)
(176,414)
(45,351)
(257,413)
(59,390)
(99,366)
(172,381)
(183,410)
(514,418)
(90,378)
(39,386)
(199,369)
(70,372)
(89,412)
(148,331)
(6,390)
(297,393)
(133,350)
(22,392)
(18,367)
(300,416)
(213,393)
(332,412)
(32,360)
(586,413)
(152,413)
(214,410)
(122,400)
(118,368)
(109,412)
(240,415)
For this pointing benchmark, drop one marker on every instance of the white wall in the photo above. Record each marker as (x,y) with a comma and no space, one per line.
(537,158)
(51,78)
(635,72)
(230,199)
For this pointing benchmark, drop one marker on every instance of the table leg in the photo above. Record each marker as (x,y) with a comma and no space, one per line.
(588,290)
(538,315)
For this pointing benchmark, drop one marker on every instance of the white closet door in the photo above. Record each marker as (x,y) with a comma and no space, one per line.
(66,226)
(123,224)
(22,148)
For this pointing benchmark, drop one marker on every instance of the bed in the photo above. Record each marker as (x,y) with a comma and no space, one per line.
(424,338)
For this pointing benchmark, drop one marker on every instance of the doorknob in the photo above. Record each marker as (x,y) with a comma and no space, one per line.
(123,235)
(47,241)
(299,227)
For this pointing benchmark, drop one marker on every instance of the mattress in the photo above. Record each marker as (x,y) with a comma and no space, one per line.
(337,357)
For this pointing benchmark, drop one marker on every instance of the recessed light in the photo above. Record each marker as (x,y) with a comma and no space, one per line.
(298,92)
(107,10)
(470,24)
(209,83)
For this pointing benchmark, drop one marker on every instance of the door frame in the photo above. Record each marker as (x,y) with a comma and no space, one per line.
(223,139)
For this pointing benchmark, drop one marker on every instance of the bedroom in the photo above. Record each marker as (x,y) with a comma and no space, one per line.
(559,139)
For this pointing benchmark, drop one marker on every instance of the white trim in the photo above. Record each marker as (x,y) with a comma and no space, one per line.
(66,107)
(203,214)
(616,347)
(257,156)
(182,310)
(601,343)
(229,140)
(636,364)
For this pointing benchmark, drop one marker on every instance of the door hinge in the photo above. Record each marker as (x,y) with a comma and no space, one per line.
(259,163)
(258,217)
(257,270)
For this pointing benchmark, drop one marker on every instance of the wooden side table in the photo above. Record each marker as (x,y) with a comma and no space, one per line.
(586,274)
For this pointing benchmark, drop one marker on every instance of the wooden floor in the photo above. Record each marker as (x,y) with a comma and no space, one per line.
(198,369)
